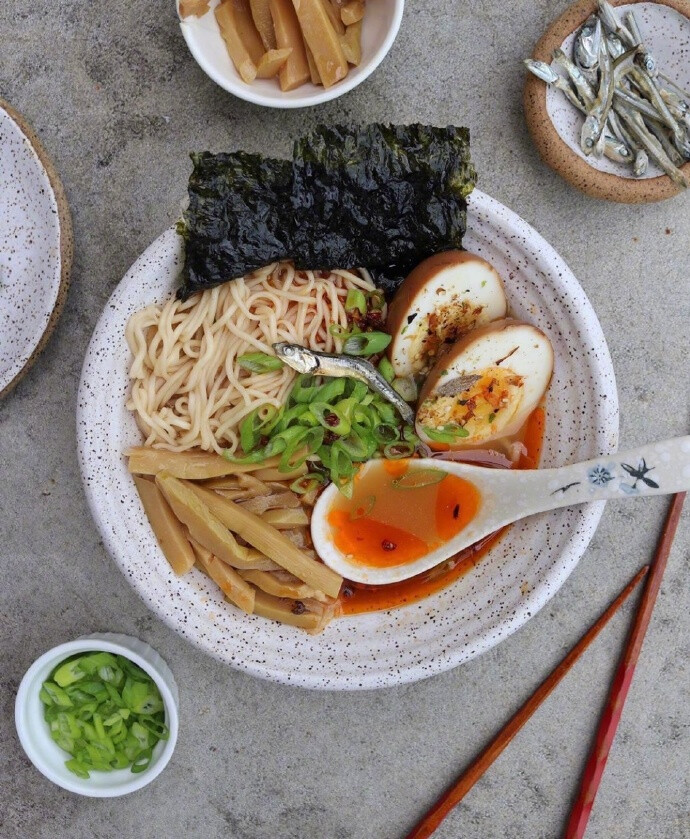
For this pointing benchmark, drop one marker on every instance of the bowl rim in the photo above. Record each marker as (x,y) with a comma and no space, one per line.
(65,243)
(97,643)
(319,96)
(555,152)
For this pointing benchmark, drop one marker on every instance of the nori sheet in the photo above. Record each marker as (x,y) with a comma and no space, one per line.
(379,196)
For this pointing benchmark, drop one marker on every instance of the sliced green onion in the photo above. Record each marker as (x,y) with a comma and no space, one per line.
(78,768)
(342,470)
(342,333)
(366,343)
(406,388)
(57,694)
(291,415)
(307,483)
(364,508)
(156,727)
(254,457)
(359,445)
(258,423)
(409,435)
(446,433)
(356,300)
(68,673)
(303,445)
(87,719)
(142,761)
(417,478)
(92,663)
(333,389)
(141,697)
(387,412)
(359,391)
(376,300)
(330,418)
(338,331)
(385,434)
(386,369)
(399,450)
(259,362)
(345,486)
(304,389)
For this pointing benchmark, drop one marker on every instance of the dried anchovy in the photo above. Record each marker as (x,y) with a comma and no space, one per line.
(633,112)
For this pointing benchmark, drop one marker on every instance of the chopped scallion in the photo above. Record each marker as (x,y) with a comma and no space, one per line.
(88,718)
(259,362)
(366,343)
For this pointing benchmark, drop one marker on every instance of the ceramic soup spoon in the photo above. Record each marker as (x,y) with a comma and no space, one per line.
(505,496)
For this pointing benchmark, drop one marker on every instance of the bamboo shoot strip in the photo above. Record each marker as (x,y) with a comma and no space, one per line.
(295,589)
(433,818)
(237,590)
(269,541)
(192,466)
(166,527)
(279,609)
(204,527)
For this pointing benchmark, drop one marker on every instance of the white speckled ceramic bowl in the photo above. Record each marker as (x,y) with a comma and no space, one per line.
(49,758)
(555,124)
(518,576)
(35,247)
(379,29)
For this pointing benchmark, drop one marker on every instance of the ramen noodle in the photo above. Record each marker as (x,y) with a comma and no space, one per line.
(188,390)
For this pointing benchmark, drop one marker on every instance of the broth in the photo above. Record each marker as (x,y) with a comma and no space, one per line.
(359,597)
(375,527)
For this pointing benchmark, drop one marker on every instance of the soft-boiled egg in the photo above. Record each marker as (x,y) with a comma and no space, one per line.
(486,386)
(442,299)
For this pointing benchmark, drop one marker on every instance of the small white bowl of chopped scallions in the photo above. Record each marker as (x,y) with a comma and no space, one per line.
(99,716)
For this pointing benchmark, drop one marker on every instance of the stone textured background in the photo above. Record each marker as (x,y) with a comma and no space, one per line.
(119,102)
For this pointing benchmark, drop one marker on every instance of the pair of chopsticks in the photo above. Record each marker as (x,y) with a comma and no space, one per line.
(596,762)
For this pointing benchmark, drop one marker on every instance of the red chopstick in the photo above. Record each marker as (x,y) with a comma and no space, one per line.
(621,682)
(469,778)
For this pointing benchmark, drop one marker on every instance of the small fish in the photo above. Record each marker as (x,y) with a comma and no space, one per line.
(588,44)
(327,364)
(614,45)
(583,87)
(610,20)
(611,74)
(640,163)
(616,148)
(635,124)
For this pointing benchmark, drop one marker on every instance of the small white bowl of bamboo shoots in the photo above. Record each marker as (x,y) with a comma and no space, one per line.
(289,53)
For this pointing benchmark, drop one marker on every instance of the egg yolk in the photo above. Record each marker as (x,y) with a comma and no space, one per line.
(481,410)
(399,512)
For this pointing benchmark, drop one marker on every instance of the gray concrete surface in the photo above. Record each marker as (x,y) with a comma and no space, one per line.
(118,102)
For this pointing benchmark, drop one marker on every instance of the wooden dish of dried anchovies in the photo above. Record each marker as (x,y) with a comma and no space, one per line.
(555,124)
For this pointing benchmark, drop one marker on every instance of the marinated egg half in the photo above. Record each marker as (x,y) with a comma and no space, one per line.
(486,386)
(444,298)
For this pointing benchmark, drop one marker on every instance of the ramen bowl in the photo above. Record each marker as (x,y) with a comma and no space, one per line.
(202,34)
(520,573)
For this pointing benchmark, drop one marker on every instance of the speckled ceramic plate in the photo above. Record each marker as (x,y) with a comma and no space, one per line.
(35,247)
(519,575)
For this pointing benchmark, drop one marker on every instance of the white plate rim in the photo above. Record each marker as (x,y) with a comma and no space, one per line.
(65,249)
(605,440)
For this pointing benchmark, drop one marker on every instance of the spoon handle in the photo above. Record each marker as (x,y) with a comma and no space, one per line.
(655,469)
